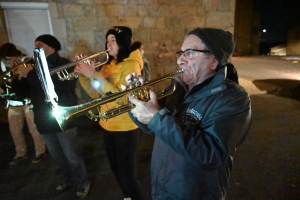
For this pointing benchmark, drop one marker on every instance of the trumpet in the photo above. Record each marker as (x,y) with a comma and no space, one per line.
(64,115)
(24,60)
(63,74)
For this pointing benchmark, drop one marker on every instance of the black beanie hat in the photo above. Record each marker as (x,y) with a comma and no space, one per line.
(9,50)
(50,40)
(123,35)
(218,41)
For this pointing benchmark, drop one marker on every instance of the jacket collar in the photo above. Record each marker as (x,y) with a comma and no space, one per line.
(52,58)
(211,85)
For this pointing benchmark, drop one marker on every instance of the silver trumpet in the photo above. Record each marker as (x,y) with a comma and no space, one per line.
(63,74)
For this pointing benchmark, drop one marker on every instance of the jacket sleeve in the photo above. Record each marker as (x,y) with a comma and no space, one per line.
(87,86)
(210,143)
(128,67)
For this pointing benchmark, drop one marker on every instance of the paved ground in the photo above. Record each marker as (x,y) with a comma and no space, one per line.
(266,165)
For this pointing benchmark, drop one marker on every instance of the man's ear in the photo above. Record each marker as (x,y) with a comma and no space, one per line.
(214,64)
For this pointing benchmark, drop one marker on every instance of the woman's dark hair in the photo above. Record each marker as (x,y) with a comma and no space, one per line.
(136,45)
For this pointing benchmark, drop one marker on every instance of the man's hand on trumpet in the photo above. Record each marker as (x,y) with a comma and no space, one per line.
(86,67)
(143,111)
(21,70)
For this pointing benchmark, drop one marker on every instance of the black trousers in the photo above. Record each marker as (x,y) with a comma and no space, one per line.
(121,148)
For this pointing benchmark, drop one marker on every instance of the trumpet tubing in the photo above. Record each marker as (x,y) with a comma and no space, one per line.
(64,115)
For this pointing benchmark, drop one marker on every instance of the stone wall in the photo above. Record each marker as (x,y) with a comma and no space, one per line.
(161,25)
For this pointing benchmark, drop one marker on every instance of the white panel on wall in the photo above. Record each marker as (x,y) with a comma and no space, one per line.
(25,22)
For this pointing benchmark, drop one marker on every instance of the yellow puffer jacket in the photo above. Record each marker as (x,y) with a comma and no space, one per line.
(111,77)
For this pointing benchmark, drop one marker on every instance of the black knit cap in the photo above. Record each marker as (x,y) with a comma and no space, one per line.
(9,50)
(123,35)
(50,40)
(218,41)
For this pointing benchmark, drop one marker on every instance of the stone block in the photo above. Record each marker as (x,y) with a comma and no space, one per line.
(87,36)
(193,21)
(91,10)
(160,22)
(130,10)
(86,2)
(85,23)
(59,27)
(149,22)
(224,5)
(159,10)
(223,20)
(161,34)
(114,10)
(132,22)
(142,10)
(138,1)
(210,5)
(73,10)
(53,10)
(107,22)
(173,22)
(179,10)
(100,10)
(141,34)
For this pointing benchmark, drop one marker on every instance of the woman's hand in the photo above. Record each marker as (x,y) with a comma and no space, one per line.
(86,67)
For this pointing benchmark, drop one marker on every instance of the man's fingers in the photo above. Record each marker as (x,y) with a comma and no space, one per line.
(152,94)
(133,100)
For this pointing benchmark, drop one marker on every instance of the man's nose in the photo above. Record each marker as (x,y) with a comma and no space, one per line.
(181,60)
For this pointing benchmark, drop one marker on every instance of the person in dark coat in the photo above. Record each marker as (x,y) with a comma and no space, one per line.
(199,127)
(63,147)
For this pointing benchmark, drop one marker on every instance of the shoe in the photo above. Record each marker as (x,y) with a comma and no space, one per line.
(38,158)
(83,192)
(18,159)
(62,187)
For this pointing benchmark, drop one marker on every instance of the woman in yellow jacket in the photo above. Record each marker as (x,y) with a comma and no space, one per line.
(120,133)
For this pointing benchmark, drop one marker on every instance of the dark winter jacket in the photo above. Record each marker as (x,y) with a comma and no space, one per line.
(65,90)
(195,143)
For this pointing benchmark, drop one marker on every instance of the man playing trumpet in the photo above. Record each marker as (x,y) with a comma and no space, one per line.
(63,147)
(198,128)
(19,106)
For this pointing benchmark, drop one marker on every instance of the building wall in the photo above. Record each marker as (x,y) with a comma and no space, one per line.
(246,29)
(293,42)
(161,25)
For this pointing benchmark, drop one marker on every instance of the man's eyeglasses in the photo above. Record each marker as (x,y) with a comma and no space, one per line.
(190,53)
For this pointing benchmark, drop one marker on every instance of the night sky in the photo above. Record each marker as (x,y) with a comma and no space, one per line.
(277,17)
